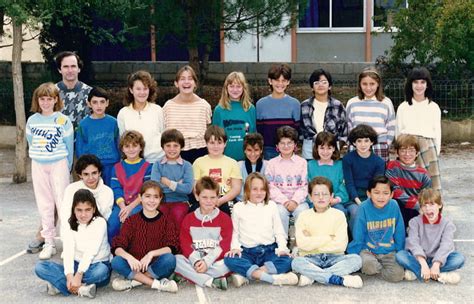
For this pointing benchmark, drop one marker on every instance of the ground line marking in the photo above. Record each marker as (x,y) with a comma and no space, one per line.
(8,260)
(467,241)
(201,296)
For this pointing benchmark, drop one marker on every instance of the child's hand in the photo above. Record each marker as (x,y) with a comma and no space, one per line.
(283,253)
(124,213)
(134,264)
(234,252)
(434,271)
(200,266)
(333,201)
(76,282)
(290,205)
(69,278)
(145,261)
(306,232)
(358,201)
(165,181)
(425,272)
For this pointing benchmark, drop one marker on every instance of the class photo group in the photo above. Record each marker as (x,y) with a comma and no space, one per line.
(277,191)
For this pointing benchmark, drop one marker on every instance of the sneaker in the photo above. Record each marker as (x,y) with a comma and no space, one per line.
(305,281)
(289,278)
(238,280)
(124,284)
(409,275)
(352,281)
(220,283)
(178,279)
(51,290)
(48,251)
(450,277)
(35,246)
(87,291)
(167,285)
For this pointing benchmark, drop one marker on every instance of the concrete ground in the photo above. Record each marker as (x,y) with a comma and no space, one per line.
(19,220)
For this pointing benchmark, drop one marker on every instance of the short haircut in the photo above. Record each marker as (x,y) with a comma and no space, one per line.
(320,180)
(151,184)
(147,81)
(429,195)
(58,59)
(252,139)
(97,92)
(172,135)
(245,99)
(217,132)
(362,131)
(286,132)
(374,74)
(406,140)
(248,185)
(328,139)
(187,68)
(416,74)
(86,160)
(206,183)
(277,70)
(46,89)
(131,137)
(379,179)
(82,196)
(317,74)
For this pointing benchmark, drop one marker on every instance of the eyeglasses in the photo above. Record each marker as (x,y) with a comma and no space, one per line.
(321,194)
(409,151)
(287,144)
(320,82)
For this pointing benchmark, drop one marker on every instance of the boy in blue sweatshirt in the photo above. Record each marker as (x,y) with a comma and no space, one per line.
(379,232)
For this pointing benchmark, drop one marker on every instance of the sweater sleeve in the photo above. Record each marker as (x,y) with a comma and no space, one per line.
(186,184)
(302,192)
(446,245)
(340,189)
(185,239)
(67,237)
(235,244)
(308,243)
(124,237)
(69,141)
(437,129)
(413,241)
(280,235)
(218,252)
(347,169)
(342,124)
(390,122)
(399,229)
(216,117)
(358,234)
(339,242)
(96,231)
(116,186)
(171,234)
(80,142)
(275,194)
(121,121)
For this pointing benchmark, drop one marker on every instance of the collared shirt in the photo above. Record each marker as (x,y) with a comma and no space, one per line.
(178,161)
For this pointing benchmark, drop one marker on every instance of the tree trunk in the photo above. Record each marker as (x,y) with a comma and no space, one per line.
(20,149)
(205,64)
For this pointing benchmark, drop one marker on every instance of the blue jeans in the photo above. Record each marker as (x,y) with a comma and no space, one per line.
(253,258)
(408,261)
(351,212)
(269,152)
(285,214)
(98,274)
(161,267)
(113,223)
(320,267)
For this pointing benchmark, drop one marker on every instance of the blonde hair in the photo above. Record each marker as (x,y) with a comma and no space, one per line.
(245,99)
(248,184)
(374,74)
(429,195)
(46,89)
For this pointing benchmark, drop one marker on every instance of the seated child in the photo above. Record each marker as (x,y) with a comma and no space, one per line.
(222,169)
(175,176)
(86,252)
(98,134)
(407,177)
(287,176)
(205,237)
(128,176)
(259,249)
(145,245)
(429,251)
(321,236)
(360,167)
(379,232)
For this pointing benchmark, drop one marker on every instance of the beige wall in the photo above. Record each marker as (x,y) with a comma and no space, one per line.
(31,49)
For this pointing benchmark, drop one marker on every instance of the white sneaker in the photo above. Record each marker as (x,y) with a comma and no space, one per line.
(238,280)
(409,275)
(450,277)
(87,291)
(51,290)
(305,281)
(352,281)
(165,285)
(124,284)
(289,278)
(48,251)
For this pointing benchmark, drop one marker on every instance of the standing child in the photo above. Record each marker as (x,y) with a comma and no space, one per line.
(205,237)
(98,134)
(419,115)
(287,177)
(371,107)
(277,109)
(142,114)
(189,114)
(429,252)
(175,176)
(321,236)
(259,249)
(145,246)
(235,113)
(128,176)
(379,232)
(86,251)
(50,139)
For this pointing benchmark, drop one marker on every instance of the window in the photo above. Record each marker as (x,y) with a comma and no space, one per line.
(333,15)
(383,10)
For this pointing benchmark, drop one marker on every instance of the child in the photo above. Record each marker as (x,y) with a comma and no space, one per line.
(50,139)
(277,109)
(189,114)
(429,251)
(326,163)
(321,112)
(205,237)
(321,235)
(419,115)
(371,107)
(408,178)
(253,162)
(142,114)
(235,113)
(379,232)
(128,176)
(145,246)
(175,176)
(360,167)
(259,249)
(222,169)
(98,134)
(287,177)
(86,252)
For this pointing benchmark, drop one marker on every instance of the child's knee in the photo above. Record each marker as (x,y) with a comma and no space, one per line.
(371,267)
(393,274)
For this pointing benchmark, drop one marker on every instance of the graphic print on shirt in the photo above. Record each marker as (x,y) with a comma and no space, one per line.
(377,231)
(48,137)
(205,239)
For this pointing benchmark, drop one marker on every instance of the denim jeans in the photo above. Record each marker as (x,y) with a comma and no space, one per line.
(269,152)
(307,149)
(320,267)
(351,208)
(161,267)
(285,214)
(253,258)
(455,260)
(113,223)
(97,273)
